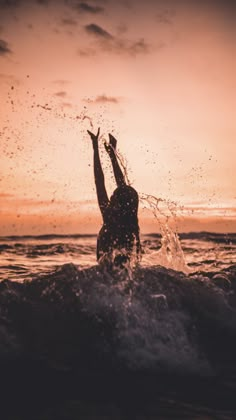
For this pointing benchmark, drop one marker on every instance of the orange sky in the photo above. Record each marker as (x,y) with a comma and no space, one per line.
(160,75)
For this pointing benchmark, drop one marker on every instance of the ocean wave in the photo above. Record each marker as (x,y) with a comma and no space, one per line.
(225,238)
(46,249)
(46,237)
(204,235)
(151,320)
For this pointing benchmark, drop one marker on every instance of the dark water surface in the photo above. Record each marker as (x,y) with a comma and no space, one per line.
(82,341)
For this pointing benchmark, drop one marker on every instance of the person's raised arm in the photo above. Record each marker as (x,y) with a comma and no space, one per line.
(98,174)
(110,148)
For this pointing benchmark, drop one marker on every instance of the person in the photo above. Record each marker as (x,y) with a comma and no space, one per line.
(118,238)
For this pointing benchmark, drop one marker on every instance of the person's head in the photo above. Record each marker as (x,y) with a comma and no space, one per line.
(124,202)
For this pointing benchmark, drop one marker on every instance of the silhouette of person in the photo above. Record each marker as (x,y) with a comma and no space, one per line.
(120,230)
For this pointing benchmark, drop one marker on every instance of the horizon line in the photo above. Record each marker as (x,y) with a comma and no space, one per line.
(80,235)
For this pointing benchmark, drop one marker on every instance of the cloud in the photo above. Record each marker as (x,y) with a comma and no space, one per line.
(43,2)
(66,104)
(9,3)
(106,42)
(69,22)
(61,82)
(165,17)
(103,99)
(119,47)
(135,48)
(87,52)
(98,31)
(122,28)
(9,79)
(4,49)
(61,94)
(87,8)
(5,195)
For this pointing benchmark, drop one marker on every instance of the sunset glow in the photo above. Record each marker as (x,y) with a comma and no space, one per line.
(159,75)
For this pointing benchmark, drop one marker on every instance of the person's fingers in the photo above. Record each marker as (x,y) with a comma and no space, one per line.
(113,141)
(107,147)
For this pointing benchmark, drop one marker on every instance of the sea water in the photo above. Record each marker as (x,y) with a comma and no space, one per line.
(90,341)
(23,257)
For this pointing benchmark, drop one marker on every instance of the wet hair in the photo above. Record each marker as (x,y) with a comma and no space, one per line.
(124,201)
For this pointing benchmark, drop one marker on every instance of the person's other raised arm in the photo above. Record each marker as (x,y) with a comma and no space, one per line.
(110,148)
(98,174)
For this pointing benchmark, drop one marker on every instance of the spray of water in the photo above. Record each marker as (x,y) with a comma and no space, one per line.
(164,211)
(170,254)
(124,164)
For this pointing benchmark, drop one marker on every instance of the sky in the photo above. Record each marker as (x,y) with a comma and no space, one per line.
(159,75)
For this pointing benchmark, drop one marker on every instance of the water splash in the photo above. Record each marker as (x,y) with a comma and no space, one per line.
(86,117)
(170,254)
(120,263)
(124,164)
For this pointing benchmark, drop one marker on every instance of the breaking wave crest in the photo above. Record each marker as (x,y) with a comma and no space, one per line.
(156,320)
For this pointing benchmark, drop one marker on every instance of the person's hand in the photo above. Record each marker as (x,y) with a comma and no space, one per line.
(94,137)
(111,146)
(113,141)
(108,148)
